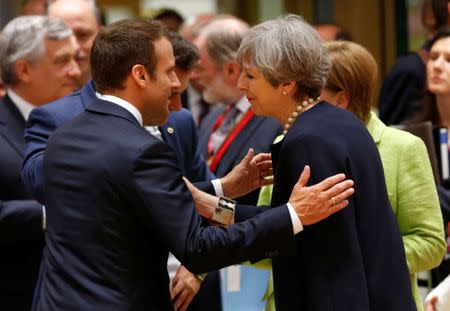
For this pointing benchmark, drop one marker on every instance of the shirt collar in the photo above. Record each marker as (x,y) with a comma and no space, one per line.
(122,103)
(21,104)
(243,105)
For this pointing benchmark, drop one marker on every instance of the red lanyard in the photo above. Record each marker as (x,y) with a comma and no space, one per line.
(213,160)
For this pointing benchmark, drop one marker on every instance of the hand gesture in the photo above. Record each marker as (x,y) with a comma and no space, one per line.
(319,201)
(248,175)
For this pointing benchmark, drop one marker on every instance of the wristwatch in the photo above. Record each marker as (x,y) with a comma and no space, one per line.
(224,213)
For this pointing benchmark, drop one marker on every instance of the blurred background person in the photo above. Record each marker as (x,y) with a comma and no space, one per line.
(192,98)
(37,65)
(169,17)
(435,107)
(85,19)
(332,32)
(334,265)
(403,87)
(33,7)
(409,178)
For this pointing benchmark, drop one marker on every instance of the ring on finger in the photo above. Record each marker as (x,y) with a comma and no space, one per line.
(333,200)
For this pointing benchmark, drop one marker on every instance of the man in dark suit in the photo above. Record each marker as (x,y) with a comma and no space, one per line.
(180,132)
(37,63)
(116,203)
(229,131)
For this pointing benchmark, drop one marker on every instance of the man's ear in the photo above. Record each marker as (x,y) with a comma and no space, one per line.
(22,68)
(342,99)
(231,72)
(140,75)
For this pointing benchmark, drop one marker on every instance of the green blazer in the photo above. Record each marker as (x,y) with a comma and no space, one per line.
(413,197)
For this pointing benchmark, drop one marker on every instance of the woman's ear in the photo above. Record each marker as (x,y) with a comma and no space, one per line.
(288,87)
(342,100)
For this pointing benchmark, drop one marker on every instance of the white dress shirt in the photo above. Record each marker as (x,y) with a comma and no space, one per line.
(21,104)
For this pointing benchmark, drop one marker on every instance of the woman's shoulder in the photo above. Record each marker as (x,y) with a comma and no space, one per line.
(401,138)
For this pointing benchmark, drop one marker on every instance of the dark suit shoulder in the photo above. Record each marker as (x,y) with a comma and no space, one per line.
(63,109)
(327,121)
(410,64)
(181,118)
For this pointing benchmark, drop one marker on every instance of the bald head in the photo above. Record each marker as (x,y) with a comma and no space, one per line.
(81,16)
(218,70)
(222,38)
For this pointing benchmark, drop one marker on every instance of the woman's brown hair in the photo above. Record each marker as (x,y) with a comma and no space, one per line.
(354,71)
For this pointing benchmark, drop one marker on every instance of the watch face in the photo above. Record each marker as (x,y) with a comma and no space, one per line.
(224,211)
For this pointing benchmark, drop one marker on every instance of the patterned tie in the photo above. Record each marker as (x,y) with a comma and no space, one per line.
(225,127)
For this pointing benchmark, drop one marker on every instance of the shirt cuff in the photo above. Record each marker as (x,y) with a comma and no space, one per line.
(44,219)
(217,187)
(296,223)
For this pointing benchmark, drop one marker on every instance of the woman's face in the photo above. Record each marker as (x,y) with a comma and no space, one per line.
(438,67)
(263,96)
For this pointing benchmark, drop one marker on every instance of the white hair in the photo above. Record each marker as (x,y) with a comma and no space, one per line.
(92,3)
(23,38)
(223,37)
(287,49)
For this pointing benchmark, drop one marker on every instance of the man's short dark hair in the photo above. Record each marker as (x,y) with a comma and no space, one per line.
(185,52)
(169,13)
(120,46)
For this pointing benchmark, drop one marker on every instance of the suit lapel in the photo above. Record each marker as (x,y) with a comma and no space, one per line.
(167,132)
(12,124)
(275,151)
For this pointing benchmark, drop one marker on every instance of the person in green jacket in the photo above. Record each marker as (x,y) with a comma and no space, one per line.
(409,177)
(407,169)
